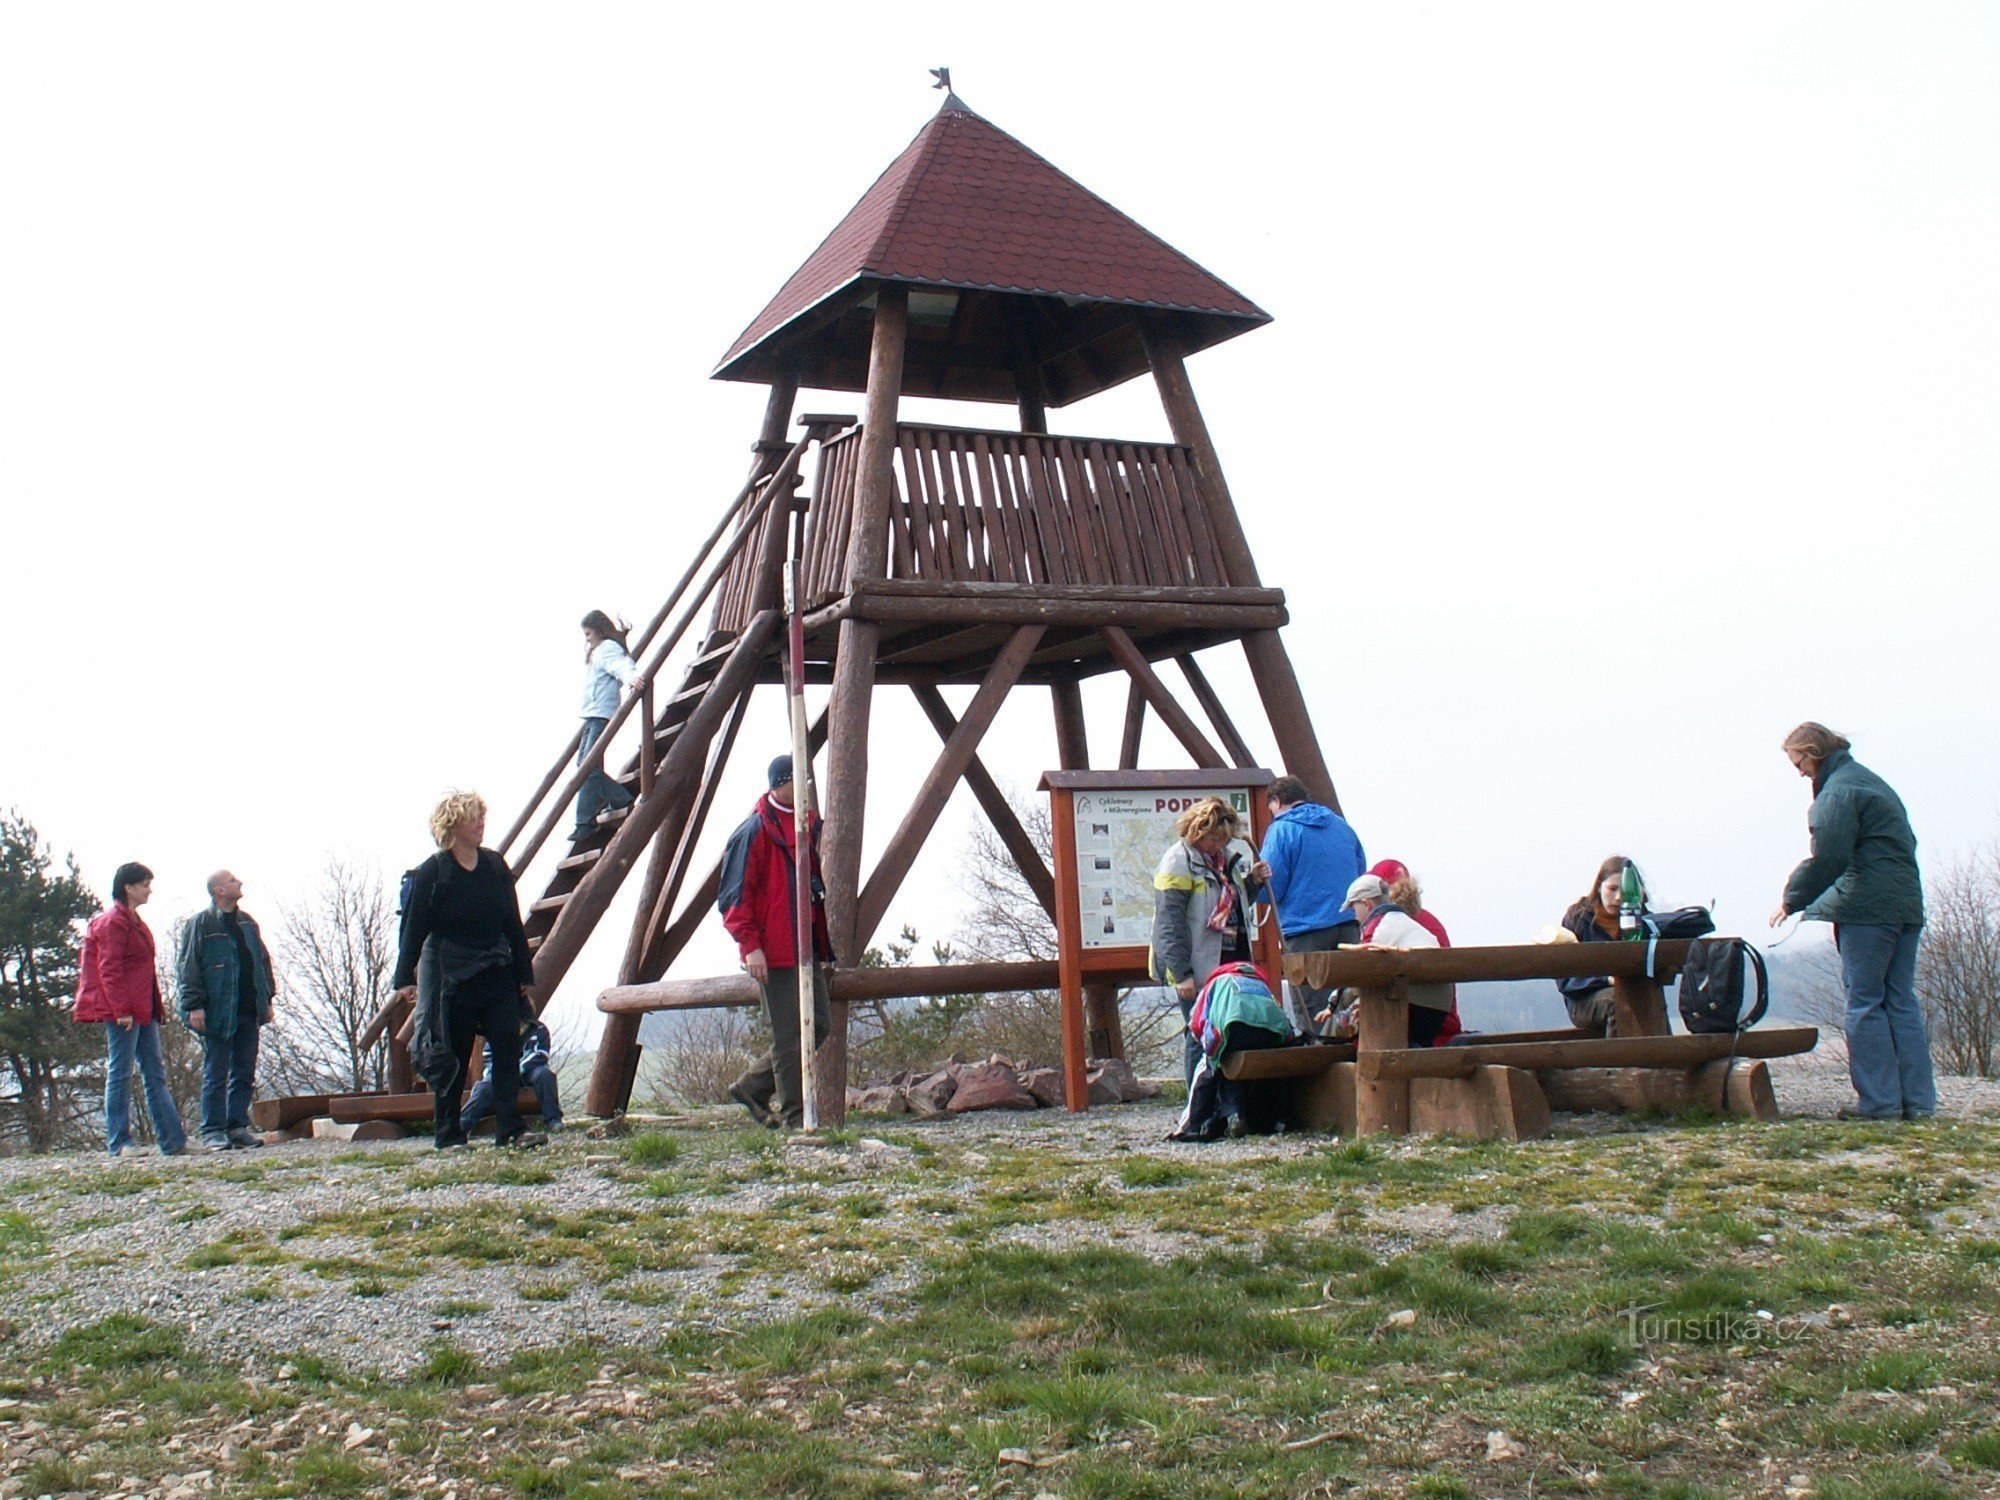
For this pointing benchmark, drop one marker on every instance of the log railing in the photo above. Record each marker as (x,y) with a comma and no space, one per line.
(976,506)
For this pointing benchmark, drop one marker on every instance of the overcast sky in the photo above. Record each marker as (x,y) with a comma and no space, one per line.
(1631,396)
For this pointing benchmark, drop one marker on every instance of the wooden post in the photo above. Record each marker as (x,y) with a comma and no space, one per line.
(1270,666)
(1069,919)
(1103,1025)
(1382,1105)
(1072,740)
(1135,727)
(1638,1007)
(854,670)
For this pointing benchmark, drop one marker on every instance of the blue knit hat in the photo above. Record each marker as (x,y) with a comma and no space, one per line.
(781,771)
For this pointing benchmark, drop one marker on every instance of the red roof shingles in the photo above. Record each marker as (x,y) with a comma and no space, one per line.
(968,205)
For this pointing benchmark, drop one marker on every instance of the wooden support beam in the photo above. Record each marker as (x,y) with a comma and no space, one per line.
(1072,736)
(846,800)
(1135,726)
(887,982)
(1127,654)
(1211,704)
(999,811)
(937,786)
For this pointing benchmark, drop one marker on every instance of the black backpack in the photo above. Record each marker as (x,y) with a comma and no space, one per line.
(1714,982)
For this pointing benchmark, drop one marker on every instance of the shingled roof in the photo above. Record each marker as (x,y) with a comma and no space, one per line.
(1048,271)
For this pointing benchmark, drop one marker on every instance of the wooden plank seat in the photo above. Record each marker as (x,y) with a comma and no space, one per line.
(1287,1062)
(1681,1051)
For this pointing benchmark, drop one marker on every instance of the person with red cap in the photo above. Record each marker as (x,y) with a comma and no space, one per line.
(1402,897)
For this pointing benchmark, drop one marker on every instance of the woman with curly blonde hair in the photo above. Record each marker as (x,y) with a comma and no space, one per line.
(464,947)
(1202,907)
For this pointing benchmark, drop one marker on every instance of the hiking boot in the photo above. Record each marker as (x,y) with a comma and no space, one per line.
(526,1140)
(1845,1113)
(760,1109)
(241,1138)
(215,1142)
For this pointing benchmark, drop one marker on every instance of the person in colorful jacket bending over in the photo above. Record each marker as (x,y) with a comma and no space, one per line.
(1235,1012)
(758,900)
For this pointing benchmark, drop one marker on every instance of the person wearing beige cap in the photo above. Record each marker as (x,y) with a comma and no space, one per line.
(1386,925)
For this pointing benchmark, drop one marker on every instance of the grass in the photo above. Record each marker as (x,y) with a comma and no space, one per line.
(1351,1316)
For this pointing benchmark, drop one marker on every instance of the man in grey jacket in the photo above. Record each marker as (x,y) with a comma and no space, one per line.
(226,989)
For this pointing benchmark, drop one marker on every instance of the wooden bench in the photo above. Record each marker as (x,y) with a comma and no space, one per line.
(1504,1085)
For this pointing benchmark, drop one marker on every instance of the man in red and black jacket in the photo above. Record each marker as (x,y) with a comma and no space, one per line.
(759,905)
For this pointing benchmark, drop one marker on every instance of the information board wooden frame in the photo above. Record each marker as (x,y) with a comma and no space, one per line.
(1073,960)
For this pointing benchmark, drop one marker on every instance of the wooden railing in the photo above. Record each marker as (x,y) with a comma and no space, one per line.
(1020,508)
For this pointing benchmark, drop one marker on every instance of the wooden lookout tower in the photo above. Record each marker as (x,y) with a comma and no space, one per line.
(994,554)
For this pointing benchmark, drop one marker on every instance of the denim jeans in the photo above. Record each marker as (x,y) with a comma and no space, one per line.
(228,1079)
(600,790)
(123,1047)
(541,1078)
(1888,1048)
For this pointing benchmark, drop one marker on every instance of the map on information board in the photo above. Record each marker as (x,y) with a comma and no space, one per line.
(1120,836)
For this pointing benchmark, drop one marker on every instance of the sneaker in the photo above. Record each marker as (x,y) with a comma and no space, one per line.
(186,1148)
(215,1142)
(1845,1113)
(242,1138)
(527,1140)
(581,832)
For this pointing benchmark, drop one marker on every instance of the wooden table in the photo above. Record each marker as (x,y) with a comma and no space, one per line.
(1504,1085)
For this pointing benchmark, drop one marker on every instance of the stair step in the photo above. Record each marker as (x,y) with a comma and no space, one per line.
(549,903)
(583,859)
(536,941)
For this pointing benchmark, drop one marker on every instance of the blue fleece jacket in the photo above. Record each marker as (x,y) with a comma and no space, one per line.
(1314,857)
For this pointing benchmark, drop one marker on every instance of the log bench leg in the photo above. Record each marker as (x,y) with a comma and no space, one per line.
(1382,1105)
(1494,1104)
(1639,1007)
(1324,1101)
(1727,1086)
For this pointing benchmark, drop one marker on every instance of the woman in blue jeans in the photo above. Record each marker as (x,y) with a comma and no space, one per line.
(1862,877)
(118,987)
(608,666)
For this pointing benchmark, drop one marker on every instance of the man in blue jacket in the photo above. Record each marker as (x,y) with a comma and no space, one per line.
(1310,858)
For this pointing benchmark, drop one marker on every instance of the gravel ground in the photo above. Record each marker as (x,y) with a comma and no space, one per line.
(128,1239)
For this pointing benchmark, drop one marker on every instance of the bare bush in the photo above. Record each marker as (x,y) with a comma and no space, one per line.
(704,1052)
(1958,966)
(338,954)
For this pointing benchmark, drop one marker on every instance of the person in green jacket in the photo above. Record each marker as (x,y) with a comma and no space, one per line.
(1862,877)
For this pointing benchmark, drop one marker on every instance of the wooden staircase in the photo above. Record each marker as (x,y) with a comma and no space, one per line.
(641,779)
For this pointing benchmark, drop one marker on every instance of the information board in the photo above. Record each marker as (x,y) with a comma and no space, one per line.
(1120,836)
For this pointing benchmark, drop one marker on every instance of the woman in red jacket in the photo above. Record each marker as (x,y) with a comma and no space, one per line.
(119,987)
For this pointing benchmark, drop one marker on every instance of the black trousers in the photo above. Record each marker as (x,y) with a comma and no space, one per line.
(487,1005)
